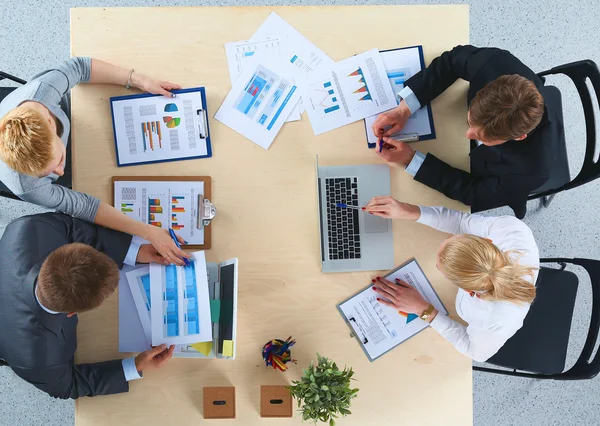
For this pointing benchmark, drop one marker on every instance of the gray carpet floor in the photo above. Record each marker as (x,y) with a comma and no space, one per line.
(542,33)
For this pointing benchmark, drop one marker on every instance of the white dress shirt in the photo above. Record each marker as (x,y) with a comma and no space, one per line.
(129,368)
(490,323)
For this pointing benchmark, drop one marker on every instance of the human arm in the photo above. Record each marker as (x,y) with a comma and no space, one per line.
(462,62)
(73,381)
(440,218)
(83,206)
(160,238)
(74,71)
(479,192)
(105,73)
(478,344)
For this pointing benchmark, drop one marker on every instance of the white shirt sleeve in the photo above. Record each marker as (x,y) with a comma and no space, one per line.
(415,163)
(455,222)
(477,344)
(412,102)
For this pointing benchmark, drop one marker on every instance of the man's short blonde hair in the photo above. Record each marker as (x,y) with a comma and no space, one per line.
(26,141)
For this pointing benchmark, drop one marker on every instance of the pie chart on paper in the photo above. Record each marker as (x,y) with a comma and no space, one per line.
(169,120)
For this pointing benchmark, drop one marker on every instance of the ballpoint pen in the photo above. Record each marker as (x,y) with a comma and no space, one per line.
(174,237)
(381,141)
(346,206)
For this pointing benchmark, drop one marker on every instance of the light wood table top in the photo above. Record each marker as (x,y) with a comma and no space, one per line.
(281,288)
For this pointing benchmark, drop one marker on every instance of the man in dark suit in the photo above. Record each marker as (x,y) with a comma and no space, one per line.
(53,266)
(509,126)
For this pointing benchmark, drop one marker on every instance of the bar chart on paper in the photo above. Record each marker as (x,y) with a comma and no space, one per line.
(180,311)
(163,204)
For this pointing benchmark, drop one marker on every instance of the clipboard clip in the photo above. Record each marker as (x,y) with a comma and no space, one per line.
(206,211)
(202,124)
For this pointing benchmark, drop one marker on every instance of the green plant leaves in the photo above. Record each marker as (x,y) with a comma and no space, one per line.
(324,391)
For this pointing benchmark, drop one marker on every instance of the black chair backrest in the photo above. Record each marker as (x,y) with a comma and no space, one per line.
(578,72)
(586,366)
(4,91)
(7,76)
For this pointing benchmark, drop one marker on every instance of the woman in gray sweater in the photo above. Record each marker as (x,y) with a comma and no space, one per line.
(34,132)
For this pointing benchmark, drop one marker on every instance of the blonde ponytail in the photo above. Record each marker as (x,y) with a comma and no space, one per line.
(476,264)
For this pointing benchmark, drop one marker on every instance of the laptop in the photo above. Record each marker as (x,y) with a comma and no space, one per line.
(353,240)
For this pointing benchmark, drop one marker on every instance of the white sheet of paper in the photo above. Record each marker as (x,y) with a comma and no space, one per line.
(261,99)
(401,65)
(131,332)
(240,53)
(158,128)
(139,285)
(381,328)
(348,91)
(184,314)
(294,47)
(165,204)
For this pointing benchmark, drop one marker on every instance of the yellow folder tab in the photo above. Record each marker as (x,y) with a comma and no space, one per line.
(203,347)
(227,347)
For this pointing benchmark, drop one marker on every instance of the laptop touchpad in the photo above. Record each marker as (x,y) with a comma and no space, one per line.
(375,224)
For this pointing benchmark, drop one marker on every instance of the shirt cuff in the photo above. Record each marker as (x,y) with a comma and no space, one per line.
(130,369)
(427,215)
(132,253)
(415,163)
(411,99)
(441,323)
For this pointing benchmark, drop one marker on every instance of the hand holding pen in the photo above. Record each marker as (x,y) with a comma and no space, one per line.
(175,239)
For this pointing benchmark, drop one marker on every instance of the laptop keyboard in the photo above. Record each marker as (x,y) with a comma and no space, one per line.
(344,233)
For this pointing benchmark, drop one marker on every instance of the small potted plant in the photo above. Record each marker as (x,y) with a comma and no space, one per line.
(324,391)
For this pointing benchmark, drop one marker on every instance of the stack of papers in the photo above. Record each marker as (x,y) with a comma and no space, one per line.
(278,73)
(192,316)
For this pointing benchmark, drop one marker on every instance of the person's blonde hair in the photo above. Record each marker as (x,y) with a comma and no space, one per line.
(476,264)
(26,141)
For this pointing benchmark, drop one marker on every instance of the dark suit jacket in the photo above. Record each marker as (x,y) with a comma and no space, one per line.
(500,175)
(39,346)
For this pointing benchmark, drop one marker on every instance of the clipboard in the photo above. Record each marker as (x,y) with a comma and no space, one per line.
(207,194)
(163,125)
(361,335)
(426,107)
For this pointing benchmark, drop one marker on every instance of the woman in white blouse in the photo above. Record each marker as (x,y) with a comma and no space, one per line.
(494,262)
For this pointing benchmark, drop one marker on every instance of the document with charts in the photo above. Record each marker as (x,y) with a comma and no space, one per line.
(164,204)
(153,128)
(293,46)
(260,101)
(401,64)
(240,53)
(182,314)
(380,328)
(350,90)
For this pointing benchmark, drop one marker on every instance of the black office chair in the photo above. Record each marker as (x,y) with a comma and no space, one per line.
(539,349)
(4,91)
(560,180)
(66,179)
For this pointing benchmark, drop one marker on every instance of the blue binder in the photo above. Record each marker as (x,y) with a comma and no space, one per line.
(204,118)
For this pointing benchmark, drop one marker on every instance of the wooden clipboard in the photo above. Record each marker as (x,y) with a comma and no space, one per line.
(207,194)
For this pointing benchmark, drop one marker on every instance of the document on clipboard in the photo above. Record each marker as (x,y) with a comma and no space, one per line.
(174,202)
(154,128)
(379,328)
(400,65)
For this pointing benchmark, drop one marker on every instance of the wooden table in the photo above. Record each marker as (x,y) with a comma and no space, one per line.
(281,288)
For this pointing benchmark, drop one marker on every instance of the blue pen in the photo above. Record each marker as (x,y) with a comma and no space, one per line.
(346,206)
(187,262)
(380,145)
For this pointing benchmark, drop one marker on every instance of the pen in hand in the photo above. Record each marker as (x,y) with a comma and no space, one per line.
(174,237)
(381,140)
(346,206)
